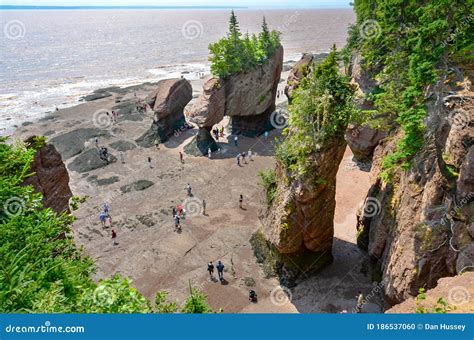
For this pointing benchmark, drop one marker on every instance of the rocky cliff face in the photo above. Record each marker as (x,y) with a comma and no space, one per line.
(297,73)
(168,102)
(419,228)
(247,97)
(298,225)
(50,178)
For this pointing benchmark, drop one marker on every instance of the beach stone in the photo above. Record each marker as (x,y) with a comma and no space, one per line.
(72,143)
(88,161)
(362,140)
(96,96)
(297,73)
(209,109)
(107,181)
(50,177)
(147,140)
(136,186)
(123,145)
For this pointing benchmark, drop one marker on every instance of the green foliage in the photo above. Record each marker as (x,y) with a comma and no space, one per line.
(236,53)
(75,201)
(162,305)
(320,110)
(41,270)
(441,307)
(196,303)
(269,183)
(414,40)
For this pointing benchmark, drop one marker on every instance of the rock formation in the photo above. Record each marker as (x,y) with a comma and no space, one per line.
(299,222)
(297,73)
(50,177)
(247,97)
(168,102)
(419,228)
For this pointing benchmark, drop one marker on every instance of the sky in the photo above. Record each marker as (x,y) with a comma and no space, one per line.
(230,3)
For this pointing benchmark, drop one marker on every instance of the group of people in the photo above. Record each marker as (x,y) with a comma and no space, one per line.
(103,217)
(243,156)
(113,116)
(218,132)
(220,270)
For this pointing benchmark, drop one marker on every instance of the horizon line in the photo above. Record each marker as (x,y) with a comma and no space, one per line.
(73,7)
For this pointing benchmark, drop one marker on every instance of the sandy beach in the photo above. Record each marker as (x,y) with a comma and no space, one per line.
(141,197)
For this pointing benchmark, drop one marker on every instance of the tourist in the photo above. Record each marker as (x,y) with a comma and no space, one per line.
(189,190)
(210,269)
(106,208)
(360,302)
(149,163)
(220,270)
(236,141)
(181,158)
(204,207)
(209,153)
(157,143)
(250,154)
(173,212)
(266,134)
(253,296)
(97,142)
(241,201)
(114,237)
(238,159)
(243,157)
(177,225)
(103,218)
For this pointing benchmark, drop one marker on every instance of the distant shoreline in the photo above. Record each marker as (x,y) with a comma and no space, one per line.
(32,7)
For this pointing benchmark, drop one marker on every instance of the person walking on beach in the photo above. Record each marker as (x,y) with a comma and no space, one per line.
(177,225)
(238,159)
(96,142)
(236,141)
(106,208)
(114,237)
(220,270)
(241,201)
(204,207)
(103,218)
(360,302)
(243,157)
(210,269)
(149,163)
(266,135)
(157,143)
(250,154)
(181,158)
(209,153)
(189,190)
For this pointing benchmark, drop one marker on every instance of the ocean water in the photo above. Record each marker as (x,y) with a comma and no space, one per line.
(50,58)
